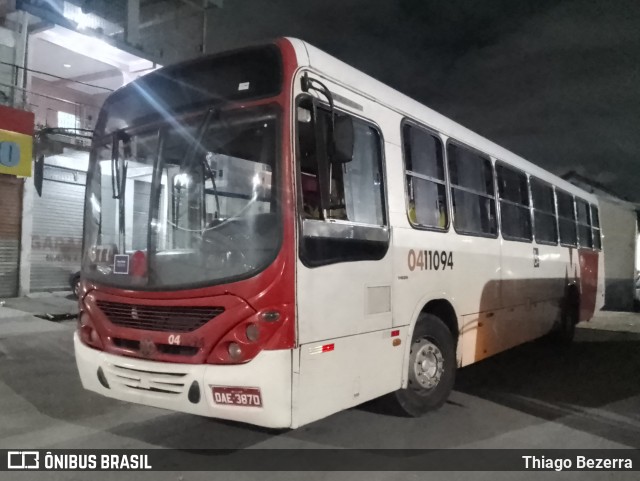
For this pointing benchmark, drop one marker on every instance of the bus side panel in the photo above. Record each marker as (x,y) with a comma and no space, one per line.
(337,374)
(601,273)
(343,299)
(532,289)
(533,283)
(547,292)
(518,317)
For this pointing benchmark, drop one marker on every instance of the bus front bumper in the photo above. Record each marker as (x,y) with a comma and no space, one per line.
(166,385)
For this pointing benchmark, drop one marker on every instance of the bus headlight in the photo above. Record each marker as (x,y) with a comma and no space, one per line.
(248,338)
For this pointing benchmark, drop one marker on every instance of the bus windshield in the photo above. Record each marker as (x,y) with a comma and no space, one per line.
(184,202)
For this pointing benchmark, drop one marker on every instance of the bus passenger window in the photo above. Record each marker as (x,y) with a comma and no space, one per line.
(544,212)
(472,193)
(363,189)
(566,219)
(515,215)
(584,224)
(595,224)
(426,190)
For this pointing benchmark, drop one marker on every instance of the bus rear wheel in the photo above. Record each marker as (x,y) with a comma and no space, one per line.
(432,369)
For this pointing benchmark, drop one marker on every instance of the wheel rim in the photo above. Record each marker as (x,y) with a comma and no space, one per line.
(428,365)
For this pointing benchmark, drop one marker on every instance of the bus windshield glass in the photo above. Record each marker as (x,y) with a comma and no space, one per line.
(183,204)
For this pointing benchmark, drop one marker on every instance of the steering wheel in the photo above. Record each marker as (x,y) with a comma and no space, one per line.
(232,243)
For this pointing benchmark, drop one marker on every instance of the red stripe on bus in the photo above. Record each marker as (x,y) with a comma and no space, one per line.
(588,282)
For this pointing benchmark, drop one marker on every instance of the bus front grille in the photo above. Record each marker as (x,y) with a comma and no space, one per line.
(128,378)
(171,349)
(158,318)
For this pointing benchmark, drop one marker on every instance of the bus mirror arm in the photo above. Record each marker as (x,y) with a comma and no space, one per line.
(324,173)
(119,167)
(340,131)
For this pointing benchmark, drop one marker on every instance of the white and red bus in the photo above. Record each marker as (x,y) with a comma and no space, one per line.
(272,236)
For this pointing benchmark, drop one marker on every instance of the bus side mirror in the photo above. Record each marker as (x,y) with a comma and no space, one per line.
(38,174)
(342,139)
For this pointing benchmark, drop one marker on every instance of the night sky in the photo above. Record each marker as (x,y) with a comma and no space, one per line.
(554,81)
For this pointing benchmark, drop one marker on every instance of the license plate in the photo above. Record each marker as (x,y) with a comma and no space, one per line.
(237,396)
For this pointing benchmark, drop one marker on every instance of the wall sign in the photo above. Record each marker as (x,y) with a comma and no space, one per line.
(9,154)
(16,141)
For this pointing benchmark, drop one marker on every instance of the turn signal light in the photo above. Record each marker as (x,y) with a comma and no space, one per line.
(93,337)
(270,316)
(90,337)
(88,334)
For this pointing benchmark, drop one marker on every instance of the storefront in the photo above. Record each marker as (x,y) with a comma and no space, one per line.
(56,240)
(16,140)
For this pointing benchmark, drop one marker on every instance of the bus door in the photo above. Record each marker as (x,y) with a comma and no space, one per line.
(344,267)
(344,273)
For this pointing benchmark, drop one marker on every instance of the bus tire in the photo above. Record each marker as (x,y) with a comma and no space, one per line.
(432,369)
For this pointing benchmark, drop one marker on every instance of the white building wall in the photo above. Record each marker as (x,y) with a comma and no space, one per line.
(619,225)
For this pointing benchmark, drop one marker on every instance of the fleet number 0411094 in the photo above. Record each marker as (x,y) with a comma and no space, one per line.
(427,260)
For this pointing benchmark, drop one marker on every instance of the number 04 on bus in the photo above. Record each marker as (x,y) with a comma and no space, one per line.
(272,236)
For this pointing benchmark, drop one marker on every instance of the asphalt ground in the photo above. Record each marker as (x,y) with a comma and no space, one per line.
(535,396)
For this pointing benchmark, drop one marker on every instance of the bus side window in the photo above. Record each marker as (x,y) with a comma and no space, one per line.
(566,219)
(595,225)
(472,192)
(515,215)
(544,212)
(362,177)
(424,169)
(585,236)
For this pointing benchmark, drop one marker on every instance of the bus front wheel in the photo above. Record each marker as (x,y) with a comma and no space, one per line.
(432,368)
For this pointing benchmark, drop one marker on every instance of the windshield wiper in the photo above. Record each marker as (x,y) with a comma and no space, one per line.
(212,176)
(119,179)
(203,158)
(119,169)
